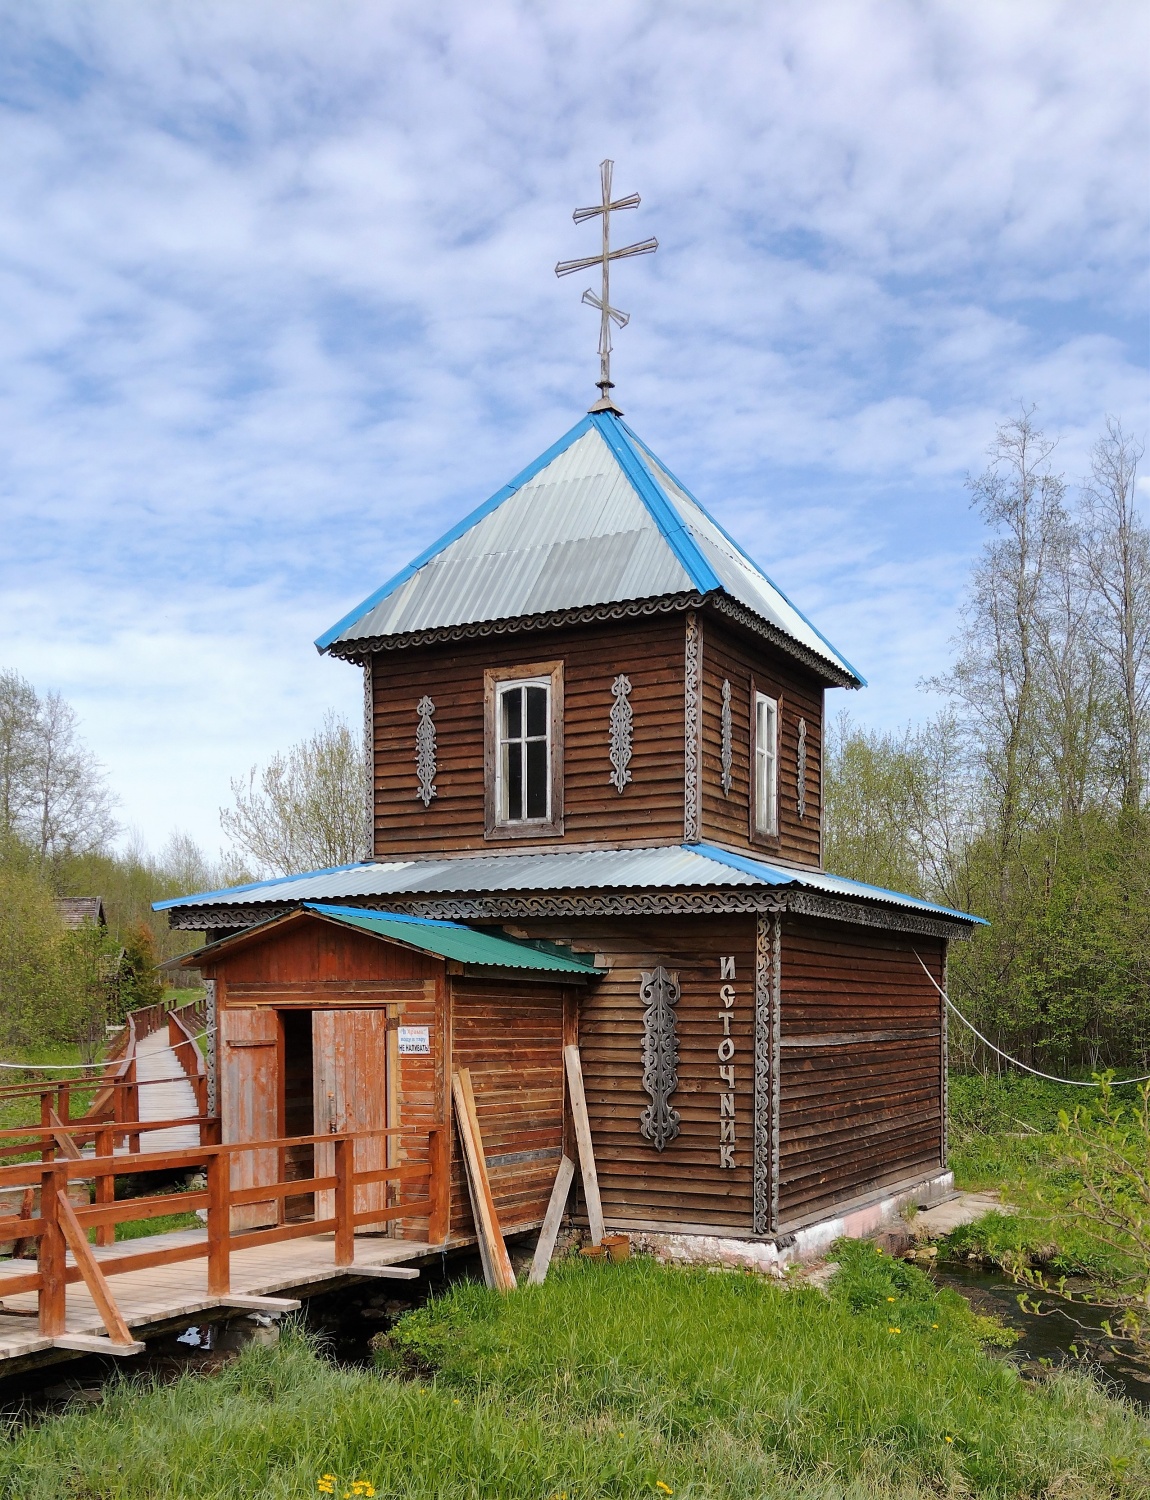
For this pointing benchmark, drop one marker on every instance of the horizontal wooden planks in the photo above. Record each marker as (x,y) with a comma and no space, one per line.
(860,1064)
(729,655)
(649,652)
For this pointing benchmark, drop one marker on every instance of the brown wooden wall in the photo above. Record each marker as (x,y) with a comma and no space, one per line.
(650,809)
(684,1183)
(318,953)
(726,819)
(510,1036)
(860,1075)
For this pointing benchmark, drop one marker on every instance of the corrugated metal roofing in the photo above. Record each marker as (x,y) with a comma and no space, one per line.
(594,520)
(453,940)
(666,867)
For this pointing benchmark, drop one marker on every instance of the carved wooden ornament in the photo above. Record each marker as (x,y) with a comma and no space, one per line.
(659,991)
(425,751)
(725,752)
(802,769)
(622,729)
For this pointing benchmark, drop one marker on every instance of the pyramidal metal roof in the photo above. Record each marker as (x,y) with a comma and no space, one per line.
(595,520)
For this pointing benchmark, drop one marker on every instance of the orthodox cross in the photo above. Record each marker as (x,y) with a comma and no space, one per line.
(607,313)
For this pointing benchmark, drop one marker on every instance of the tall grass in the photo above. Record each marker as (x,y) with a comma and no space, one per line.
(617,1381)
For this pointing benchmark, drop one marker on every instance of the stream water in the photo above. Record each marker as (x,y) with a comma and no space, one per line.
(1057,1337)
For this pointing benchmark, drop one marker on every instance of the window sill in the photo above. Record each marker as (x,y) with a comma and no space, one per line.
(552,829)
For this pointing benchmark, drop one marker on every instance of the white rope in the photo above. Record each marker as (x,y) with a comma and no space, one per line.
(43,1067)
(1076,1082)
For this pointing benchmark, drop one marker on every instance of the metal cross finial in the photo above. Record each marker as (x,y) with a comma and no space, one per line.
(607,313)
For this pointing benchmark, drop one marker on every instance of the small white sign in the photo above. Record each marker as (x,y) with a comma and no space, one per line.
(414,1039)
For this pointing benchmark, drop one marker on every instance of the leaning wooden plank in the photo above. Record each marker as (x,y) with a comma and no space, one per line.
(96,1343)
(89,1269)
(63,1140)
(488,1221)
(583,1139)
(551,1222)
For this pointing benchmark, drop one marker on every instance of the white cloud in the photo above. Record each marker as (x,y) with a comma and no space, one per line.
(276,306)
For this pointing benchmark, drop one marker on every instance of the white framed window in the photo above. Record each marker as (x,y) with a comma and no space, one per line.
(523,765)
(523,751)
(766,801)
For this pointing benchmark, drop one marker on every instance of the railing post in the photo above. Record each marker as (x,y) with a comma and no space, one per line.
(63,1101)
(439,1185)
(219,1223)
(51,1253)
(132,1105)
(344,1201)
(47,1142)
(105,1185)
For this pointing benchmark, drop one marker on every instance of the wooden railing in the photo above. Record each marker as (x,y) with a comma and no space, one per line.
(60,1226)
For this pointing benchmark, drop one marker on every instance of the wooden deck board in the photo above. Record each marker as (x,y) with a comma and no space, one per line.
(162,1293)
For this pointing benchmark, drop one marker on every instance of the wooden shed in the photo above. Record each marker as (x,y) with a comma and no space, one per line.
(335,1019)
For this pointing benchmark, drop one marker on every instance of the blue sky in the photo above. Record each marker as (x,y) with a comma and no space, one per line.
(277,306)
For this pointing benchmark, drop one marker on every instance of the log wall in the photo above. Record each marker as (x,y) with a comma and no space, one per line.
(861,1064)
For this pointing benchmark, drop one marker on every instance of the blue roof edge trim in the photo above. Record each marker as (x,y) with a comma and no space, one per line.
(257,885)
(744,554)
(672,527)
(776,875)
(329,637)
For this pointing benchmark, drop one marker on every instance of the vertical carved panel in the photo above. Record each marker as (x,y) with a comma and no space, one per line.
(659,992)
(368,761)
(692,723)
(801,770)
(425,751)
(213,1057)
(622,725)
(725,753)
(944,1101)
(765,1202)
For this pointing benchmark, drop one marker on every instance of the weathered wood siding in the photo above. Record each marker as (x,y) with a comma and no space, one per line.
(861,1055)
(684,1183)
(316,958)
(650,809)
(741,659)
(509,1034)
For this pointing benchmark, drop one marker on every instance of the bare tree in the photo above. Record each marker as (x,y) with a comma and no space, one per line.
(304,810)
(53,795)
(1116,557)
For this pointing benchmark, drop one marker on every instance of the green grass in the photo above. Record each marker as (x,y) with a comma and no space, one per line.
(1003,1136)
(616,1381)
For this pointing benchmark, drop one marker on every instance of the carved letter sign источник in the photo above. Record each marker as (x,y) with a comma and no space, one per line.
(726,1052)
(659,992)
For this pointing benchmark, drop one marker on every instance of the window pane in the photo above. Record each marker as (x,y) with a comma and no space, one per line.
(536,777)
(512,713)
(536,711)
(513,781)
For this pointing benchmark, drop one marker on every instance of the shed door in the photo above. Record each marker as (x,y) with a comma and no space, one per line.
(349,1052)
(249,1079)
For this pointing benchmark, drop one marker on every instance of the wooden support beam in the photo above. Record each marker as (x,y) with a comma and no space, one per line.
(261,1304)
(344,1202)
(96,1343)
(439,1187)
(545,1247)
(65,1142)
(51,1255)
(386,1273)
(583,1140)
(89,1269)
(487,1224)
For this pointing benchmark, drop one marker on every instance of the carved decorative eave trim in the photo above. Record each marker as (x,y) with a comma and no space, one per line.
(820,665)
(599,904)
(626,609)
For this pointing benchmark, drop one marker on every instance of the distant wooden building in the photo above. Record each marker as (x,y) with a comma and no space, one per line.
(81,911)
(595,726)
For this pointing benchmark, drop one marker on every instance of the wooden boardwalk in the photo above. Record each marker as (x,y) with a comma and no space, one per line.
(152,1298)
(165,1093)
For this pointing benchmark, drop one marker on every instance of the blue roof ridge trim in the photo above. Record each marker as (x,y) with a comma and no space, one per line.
(259,885)
(773,875)
(329,637)
(743,553)
(672,527)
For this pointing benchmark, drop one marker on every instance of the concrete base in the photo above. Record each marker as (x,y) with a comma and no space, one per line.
(773,1254)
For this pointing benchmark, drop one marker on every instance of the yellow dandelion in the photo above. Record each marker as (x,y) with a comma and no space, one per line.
(935,1325)
(950,1440)
(890,1299)
(877,1250)
(894,1330)
(666,1488)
